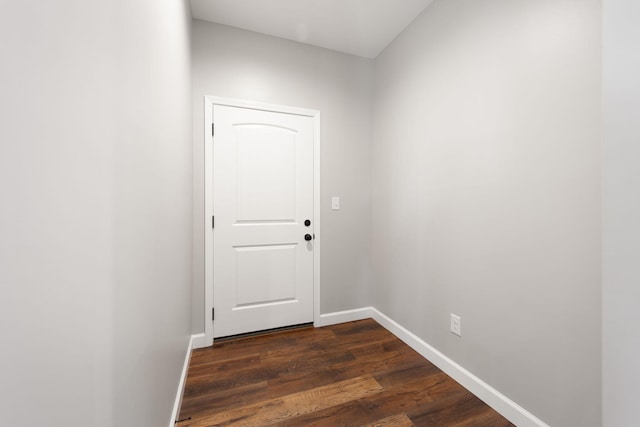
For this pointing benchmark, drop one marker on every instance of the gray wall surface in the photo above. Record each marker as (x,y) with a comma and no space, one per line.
(233,63)
(621,210)
(486,195)
(95,229)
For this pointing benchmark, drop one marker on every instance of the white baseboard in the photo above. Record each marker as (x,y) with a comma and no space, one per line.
(344,316)
(183,378)
(199,341)
(492,397)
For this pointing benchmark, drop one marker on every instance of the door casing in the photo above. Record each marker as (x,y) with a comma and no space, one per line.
(209,102)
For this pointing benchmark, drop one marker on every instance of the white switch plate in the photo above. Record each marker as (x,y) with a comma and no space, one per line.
(456,325)
(335,203)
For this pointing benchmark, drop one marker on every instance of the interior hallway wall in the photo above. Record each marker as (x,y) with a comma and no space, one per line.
(621,210)
(95,229)
(233,63)
(486,195)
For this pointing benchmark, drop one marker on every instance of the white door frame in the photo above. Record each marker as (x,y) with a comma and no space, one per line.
(209,102)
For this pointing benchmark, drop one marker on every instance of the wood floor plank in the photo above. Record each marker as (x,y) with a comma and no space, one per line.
(272,367)
(348,414)
(211,403)
(272,411)
(400,420)
(414,398)
(297,339)
(400,374)
(461,409)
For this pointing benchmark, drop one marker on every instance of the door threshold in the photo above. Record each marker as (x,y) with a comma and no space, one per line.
(263,332)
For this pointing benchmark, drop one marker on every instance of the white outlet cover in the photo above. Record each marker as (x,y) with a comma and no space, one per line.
(335,203)
(456,325)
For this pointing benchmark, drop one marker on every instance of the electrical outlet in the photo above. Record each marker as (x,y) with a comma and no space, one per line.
(456,325)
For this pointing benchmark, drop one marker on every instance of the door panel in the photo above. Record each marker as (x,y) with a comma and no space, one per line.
(265,274)
(266,173)
(262,194)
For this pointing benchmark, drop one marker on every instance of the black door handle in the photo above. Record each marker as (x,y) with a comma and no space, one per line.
(307,237)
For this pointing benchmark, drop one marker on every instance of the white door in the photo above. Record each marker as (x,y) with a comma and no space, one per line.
(263,220)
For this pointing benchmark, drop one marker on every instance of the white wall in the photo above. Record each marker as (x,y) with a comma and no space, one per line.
(486,195)
(95,224)
(239,64)
(621,210)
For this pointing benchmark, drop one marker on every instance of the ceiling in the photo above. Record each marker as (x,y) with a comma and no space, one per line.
(358,27)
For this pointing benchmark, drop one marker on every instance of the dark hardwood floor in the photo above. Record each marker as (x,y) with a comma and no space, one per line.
(352,374)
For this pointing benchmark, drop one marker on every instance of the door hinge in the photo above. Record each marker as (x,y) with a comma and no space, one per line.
(213,132)
(213,314)
(213,222)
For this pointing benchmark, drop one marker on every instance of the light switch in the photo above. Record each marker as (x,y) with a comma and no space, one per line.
(335,203)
